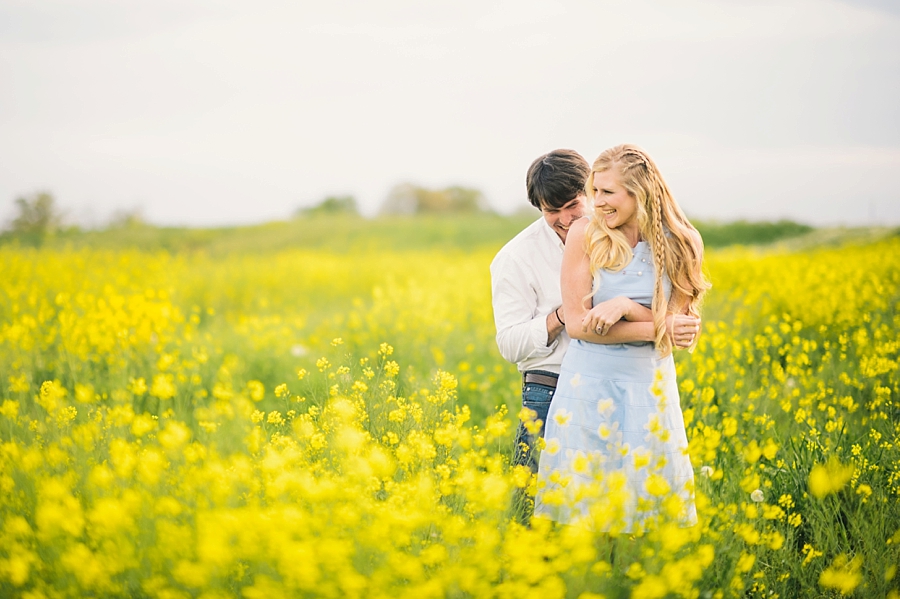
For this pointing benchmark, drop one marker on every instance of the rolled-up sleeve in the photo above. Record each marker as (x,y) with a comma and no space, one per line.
(521,330)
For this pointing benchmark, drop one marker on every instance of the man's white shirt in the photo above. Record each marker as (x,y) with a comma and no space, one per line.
(524,290)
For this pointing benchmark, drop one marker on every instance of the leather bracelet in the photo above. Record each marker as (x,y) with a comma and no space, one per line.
(558,318)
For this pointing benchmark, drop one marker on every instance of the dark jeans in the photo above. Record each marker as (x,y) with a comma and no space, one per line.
(534,397)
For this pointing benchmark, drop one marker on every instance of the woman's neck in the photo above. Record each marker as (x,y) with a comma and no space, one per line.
(632,234)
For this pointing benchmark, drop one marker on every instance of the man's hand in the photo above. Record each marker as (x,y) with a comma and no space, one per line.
(683,329)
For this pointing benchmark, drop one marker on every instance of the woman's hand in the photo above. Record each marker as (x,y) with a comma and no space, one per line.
(605,314)
(683,329)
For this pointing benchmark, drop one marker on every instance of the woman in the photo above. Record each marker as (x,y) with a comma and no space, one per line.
(631,287)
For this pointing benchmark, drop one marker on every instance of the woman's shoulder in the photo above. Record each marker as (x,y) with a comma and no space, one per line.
(575,235)
(580,224)
(579,227)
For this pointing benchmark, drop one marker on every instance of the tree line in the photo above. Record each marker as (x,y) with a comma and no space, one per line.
(39,219)
(38,216)
(407,199)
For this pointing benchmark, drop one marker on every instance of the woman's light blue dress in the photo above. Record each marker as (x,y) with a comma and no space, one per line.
(616,450)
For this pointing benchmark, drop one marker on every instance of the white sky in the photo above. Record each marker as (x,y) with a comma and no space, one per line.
(208,112)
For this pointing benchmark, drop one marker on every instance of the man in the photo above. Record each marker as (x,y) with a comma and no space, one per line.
(525,291)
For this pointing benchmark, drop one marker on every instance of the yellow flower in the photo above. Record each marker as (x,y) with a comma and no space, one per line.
(729,426)
(526,414)
(562,417)
(752,452)
(864,491)
(257,390)
(811,553)
(174,436)
(746,531)
(657,486)
(641,458)
(163,386)
(391,368)
(770,449)
(51,396)
(84,393)
(651,587)
(58,511)
(745,562)
(551,446)
(775,540)
(606,407)
(830,478)
(773,512)
(842,574)
(143,424)
(150,466)
(18,384)
(9,409)
(579,462)
(17,568)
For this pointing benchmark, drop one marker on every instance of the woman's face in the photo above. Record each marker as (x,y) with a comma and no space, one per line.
(612,202)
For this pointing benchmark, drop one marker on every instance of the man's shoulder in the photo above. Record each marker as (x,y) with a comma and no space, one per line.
(524,241)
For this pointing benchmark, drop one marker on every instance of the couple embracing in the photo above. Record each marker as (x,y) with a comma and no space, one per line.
(589,302)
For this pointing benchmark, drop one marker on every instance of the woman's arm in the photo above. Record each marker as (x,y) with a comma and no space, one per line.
(682,328)
(576,283)
(605,314)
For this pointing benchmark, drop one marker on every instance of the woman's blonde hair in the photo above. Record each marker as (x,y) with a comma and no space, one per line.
(675,244)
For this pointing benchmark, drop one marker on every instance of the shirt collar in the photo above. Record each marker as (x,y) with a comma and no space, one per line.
(551,234)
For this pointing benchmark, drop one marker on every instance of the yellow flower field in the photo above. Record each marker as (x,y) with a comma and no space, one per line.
(313,424)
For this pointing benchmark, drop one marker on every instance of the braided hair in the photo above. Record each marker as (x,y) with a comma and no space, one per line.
(675,244)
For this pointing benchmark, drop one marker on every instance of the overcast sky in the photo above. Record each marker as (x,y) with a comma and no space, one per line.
(209,112)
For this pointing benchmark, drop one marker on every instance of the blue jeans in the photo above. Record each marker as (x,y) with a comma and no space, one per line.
(534,397)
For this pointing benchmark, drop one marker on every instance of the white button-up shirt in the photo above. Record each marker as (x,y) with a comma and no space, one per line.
(524,290)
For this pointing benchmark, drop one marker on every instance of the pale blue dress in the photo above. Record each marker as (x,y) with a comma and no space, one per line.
(616,453)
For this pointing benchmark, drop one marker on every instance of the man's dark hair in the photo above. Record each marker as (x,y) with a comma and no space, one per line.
(556,178)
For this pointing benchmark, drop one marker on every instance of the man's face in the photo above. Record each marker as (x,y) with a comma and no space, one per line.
(560,219)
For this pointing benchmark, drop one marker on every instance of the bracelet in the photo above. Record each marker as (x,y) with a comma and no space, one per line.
(558,318)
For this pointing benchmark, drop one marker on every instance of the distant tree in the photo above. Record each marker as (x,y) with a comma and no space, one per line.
(332,205)
(467,199)
(37,218)
(406,198)
(129,218)
(403,198)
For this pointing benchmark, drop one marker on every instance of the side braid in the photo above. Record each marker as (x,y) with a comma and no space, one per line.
(660,305)
(659,246)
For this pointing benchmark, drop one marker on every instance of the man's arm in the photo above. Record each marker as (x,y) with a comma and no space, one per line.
(521,332)
(555,325)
